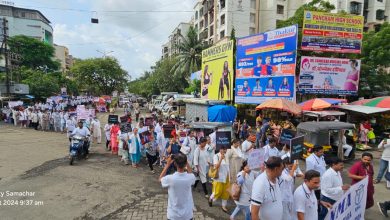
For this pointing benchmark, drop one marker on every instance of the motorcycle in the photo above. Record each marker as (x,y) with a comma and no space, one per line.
(78,148)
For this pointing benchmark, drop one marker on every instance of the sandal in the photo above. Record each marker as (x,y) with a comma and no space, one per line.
(210,203)
(224,210)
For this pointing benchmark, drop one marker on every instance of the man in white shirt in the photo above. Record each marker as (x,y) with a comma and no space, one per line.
(384,162)
(348,148)
(247,146)
(83,132)
(266,199)
(271,150)
(316,160)
(180,202)
(305,201)
(332,188)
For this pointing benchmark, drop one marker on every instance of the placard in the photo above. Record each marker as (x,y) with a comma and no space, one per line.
(353,203)
(168,128)
(296,147)
(145,137)
(113,119)
(286,136)
(256,158)
(223,139)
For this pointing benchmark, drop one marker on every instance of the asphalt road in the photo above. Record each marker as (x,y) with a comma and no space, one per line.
(98,188)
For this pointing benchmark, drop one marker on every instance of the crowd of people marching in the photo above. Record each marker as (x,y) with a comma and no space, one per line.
(193,159)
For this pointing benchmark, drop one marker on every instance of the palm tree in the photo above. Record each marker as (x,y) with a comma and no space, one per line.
(189,58)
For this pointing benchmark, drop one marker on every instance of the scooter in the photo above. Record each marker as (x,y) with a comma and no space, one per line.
(78,148)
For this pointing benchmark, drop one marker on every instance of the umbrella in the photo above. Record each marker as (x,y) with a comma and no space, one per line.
(381,102)
(320,103)
(360,102)
(281,104)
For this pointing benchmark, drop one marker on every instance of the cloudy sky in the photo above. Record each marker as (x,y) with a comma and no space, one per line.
(127,27)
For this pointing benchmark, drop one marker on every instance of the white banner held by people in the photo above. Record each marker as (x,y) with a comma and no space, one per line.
(353,203)
(256,159)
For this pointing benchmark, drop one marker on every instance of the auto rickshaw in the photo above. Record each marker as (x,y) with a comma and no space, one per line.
(327,134)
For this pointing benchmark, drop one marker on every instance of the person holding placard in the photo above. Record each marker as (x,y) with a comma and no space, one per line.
(221,184)
(290,172)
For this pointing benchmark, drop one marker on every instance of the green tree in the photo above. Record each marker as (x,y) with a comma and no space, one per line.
(34,53)
(189,59)
(194,87)
(100,75)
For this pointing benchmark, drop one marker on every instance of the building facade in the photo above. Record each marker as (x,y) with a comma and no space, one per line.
(28,22)
(63,56)
(170,48)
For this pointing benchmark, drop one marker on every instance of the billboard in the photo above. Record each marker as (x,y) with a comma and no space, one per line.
(332,32)
(217,76)
(322,75)
(266,65)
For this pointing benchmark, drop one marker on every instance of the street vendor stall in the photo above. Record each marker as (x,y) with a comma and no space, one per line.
(327,134)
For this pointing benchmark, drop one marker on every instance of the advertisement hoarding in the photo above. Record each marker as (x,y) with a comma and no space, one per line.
(332,76)
(217,72)
(332,32)
(266,65)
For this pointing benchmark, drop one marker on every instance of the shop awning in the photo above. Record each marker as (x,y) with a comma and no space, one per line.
(363,109)
(323,113)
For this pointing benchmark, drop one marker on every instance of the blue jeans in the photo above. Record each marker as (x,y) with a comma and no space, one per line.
(323,209)
(383,164)
(244,209)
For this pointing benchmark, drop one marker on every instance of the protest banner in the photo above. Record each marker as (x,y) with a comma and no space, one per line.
(217,70)
(82,113)
(331,32)
(223,139)
(296,148)
(12,104)
(256,158)
(286,135)
(266,66)
(330,76)
(353,203)
(113,119)
(168,128)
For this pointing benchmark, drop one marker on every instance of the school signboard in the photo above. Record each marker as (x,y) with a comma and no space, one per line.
(332,32)
(353,203)
(265,67)
(217,72)
(330,76)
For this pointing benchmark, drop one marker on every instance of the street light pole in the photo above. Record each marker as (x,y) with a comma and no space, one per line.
(105,53)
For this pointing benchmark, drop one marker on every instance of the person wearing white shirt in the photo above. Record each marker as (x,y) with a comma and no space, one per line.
(271,150)
(190,143)
(305,201)
(107,129)
(384,162)
(221,183)
(158,127)
(332,188)
(290,172)
(266,198)
(316,160)
(180,201)
(348,148)
(83,132)
(246,147)
(201,163)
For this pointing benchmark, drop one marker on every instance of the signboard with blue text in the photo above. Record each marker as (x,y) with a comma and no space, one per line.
(265,66)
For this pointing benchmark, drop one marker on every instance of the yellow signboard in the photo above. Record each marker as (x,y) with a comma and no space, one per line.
(332,32)
(217,72)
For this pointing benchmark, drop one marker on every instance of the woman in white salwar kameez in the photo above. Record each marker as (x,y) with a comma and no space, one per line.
(235,158)
(96,130)
(201,163)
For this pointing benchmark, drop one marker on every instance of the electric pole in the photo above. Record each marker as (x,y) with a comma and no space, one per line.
(4,47)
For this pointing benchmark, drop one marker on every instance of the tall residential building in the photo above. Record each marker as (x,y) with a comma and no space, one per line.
(171,47)
(63,56)
(28,22)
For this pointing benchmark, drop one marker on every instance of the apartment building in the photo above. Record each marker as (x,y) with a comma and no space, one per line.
(63,56)
(28,22)
(171,47)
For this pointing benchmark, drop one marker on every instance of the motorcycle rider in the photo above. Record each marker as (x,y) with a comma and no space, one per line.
(82,131)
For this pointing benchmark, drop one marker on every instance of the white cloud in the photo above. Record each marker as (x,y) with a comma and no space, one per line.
(135,38)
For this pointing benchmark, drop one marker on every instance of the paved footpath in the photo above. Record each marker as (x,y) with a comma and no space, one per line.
(98,188)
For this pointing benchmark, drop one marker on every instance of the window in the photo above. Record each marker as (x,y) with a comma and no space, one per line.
(380,0)
(253,4)
(252,18)
(23,14)
(196,15)
(222,19)
(280,9)
(211,30)
(196,27)
(222,34)
(222,3)
(252,31)
(356,8)
(201,12)
(201,24)
(380,14)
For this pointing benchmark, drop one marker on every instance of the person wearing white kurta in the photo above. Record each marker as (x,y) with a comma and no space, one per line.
(161,143)
(287,187)
(235,158)
(201,164)
(221,184)
(107,129)
(96,130)
(190,143)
